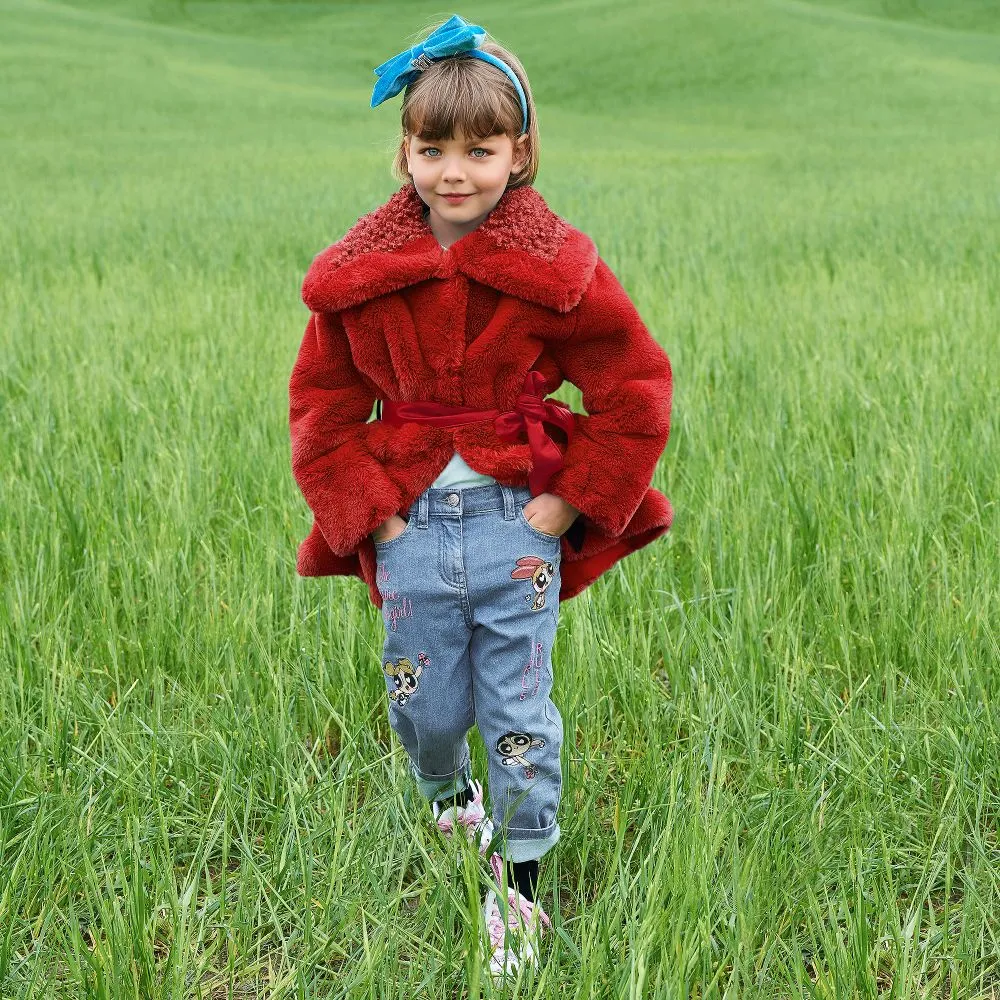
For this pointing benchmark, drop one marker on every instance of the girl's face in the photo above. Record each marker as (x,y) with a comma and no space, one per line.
(477,169)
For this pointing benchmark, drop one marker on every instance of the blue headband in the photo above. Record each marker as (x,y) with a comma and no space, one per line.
(453,37)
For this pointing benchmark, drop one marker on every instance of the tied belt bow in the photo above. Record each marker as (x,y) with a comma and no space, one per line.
(530,411)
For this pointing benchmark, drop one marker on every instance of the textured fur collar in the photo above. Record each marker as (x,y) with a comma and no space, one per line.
(523,249)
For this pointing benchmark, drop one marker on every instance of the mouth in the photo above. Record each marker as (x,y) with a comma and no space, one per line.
(455,199)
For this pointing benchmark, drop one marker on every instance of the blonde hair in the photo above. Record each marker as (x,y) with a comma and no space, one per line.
(463,94)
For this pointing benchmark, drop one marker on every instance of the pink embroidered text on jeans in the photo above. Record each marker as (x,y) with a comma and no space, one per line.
(534,663)
(393,612)
(382,576)
(397,611)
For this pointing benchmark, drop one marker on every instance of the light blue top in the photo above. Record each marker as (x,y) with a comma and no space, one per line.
(457,473)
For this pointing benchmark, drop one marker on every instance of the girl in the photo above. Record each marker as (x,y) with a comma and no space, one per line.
(471,505)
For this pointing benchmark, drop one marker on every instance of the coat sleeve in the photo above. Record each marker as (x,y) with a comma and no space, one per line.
(625,379)
(345,486)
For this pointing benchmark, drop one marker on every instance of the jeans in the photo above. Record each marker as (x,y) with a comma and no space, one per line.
(470,595)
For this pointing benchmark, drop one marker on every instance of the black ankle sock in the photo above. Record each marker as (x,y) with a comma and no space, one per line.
(523,876)
(462,799)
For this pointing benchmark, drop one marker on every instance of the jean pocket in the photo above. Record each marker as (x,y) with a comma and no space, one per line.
(380,546)
(556,539)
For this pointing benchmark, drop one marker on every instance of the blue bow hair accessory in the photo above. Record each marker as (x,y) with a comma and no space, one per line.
(454,36)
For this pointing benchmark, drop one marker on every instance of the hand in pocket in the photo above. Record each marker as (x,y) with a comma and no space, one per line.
(389,529)
(549,514)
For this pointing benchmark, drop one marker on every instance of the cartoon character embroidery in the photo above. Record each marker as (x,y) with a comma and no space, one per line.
(405,677)
(539,572)
(514,746)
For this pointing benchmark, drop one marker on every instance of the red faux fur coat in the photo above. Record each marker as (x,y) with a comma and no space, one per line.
(396,317)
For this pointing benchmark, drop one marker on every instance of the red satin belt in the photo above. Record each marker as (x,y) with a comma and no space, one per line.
(530,410)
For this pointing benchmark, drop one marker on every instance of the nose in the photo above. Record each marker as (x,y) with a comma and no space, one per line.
(453,169)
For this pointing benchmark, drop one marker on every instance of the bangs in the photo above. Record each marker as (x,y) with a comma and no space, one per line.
(463,95)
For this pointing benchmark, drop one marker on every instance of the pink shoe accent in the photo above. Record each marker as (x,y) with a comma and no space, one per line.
(496,928)
(471,822)
(471,818)
(496,866)
(473,813)
(518,908)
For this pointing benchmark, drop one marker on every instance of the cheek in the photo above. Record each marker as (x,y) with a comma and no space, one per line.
(500,171)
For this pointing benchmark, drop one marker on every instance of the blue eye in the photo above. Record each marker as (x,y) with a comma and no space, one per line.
(478,149)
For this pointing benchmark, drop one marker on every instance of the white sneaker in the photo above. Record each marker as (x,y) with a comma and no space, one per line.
(471,817)
(514,941)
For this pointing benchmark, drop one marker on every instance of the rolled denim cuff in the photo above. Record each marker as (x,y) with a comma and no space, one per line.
(529,845)
(443,786)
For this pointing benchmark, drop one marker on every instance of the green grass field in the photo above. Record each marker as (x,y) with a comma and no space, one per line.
(782,763)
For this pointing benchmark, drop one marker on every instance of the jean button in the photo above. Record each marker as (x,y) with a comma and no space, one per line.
(452,498)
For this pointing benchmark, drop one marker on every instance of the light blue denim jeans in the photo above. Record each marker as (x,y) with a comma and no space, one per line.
(470,595)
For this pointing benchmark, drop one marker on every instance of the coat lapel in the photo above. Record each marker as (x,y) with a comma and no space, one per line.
(522,249)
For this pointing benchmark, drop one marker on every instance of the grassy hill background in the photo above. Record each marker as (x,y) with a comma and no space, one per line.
(781,737)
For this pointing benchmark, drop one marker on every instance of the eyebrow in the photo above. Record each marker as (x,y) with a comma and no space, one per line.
(476,142)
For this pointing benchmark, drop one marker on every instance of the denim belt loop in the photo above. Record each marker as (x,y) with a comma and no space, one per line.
(508,502)
(423,510)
